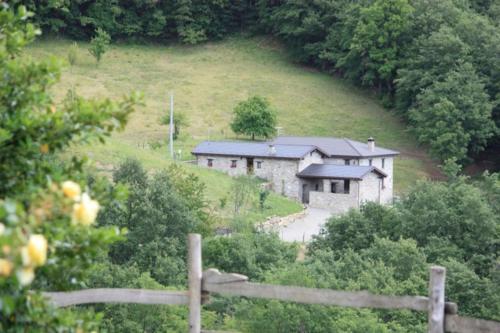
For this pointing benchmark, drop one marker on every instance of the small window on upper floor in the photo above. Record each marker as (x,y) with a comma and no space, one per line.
(347,162)
(210,162)
(259,164)
(370,161)
(233,163)
(383,163)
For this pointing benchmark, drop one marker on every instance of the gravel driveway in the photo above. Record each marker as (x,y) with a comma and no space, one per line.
(303,229)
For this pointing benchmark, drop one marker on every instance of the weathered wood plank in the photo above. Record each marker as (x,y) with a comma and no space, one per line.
(457,324)
(224,283)
(118,295)
(435,323)
(358,299)
(194,281)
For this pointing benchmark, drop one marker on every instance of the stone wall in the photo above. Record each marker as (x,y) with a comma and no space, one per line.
(281,174)
(312,157)
(386,191)
(274,223)
(369,188)
(223,163)
(337,203)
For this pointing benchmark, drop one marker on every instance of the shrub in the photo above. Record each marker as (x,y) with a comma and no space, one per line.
(99,44)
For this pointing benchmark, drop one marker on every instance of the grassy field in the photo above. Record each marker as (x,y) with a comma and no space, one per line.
(208,80)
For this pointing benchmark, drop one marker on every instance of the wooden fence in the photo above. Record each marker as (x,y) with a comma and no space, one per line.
(442,316)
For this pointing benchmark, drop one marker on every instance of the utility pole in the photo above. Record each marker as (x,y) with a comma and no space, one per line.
(171,128)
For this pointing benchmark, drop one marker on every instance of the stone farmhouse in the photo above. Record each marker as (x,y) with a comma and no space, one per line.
(331,173)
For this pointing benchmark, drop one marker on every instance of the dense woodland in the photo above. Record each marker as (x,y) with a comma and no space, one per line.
(435,63)
(139,236)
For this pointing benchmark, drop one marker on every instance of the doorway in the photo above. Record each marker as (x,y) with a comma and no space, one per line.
(250,166)
(305,194)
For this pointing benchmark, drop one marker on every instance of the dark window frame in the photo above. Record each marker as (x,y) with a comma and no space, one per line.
(333,187)
(383,163)
(258,164)
(234,164)
(370,162)
(210,162)
(347,162)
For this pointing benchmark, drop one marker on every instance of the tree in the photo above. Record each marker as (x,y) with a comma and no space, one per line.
(180,120)
(254,117)
(241,191)
(453,116)
(99,44)
(159,213)
(378,40)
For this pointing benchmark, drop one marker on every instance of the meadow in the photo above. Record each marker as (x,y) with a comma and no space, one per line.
(208,80)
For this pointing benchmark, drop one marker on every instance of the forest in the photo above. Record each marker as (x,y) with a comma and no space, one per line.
(66,226)
(435,64)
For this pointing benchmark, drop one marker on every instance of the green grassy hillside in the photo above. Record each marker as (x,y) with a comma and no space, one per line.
(208,80)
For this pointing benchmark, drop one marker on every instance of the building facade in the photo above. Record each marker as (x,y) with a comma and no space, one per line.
(330,173)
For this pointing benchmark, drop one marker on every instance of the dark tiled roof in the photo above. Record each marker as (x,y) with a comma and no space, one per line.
(338,171)
(252,149)
(336,146)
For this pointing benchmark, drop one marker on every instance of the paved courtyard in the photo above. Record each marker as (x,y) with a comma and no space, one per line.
(304,228)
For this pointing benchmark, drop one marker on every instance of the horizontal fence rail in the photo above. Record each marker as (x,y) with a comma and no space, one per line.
(213,281)
(442,315)
(118,295)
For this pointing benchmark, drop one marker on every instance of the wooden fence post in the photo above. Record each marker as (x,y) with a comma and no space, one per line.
(436,299)
(194,280)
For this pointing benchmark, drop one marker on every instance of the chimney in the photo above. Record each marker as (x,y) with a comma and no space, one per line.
(272,150)
(371,143)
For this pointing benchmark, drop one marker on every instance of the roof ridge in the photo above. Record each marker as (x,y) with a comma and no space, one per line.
(352,146)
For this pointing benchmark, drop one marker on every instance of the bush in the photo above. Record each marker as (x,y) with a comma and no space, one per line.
(73,54)
(47,240)
(99,44)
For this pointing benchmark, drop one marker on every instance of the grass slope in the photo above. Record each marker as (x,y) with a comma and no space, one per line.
(208,80)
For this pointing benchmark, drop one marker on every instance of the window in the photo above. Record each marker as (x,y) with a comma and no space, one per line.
(333,187)
(383,183)
(347,162)
(210,162)
(259,164)
(316,187)
(370,162)
(347,185)
(383,163)
(233,163)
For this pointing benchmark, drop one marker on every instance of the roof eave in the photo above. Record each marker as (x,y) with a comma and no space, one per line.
(327,177)
(251,156)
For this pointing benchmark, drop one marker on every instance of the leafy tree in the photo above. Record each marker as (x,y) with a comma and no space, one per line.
(99,44)
(453,116)
(46,238)
(430,60)
(159,213)
(251,254)
(378,40)
(241,192)
(180,120)
(254,117)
